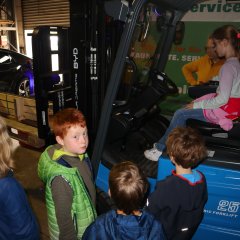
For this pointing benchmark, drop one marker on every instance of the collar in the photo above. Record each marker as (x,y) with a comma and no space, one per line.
(60,152)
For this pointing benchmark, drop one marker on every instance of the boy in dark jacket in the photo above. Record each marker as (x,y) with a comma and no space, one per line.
(178,201)
(127,187)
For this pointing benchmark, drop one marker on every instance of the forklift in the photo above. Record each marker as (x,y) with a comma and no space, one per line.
(221,168)
(92,67)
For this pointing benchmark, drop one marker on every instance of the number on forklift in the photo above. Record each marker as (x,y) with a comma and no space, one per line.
(210,153)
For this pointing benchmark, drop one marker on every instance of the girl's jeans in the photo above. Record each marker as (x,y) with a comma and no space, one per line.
(179,120)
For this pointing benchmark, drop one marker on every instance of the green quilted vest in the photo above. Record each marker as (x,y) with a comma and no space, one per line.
(83,211)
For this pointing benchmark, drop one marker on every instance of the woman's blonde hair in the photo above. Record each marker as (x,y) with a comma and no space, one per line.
(6,151)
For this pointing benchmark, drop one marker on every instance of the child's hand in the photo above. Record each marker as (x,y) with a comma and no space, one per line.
(189,106)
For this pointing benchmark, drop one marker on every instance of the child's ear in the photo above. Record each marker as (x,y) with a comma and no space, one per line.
(59,140)
(172,159)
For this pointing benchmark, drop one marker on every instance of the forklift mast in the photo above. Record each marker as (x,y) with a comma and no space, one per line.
(51,74)
(84,59)
(80,82)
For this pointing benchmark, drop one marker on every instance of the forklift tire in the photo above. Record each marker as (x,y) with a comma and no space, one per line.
(23,87)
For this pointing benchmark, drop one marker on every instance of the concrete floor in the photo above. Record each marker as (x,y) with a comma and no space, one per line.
(26,172)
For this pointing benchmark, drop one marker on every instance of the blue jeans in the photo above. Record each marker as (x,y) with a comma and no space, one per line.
(179,120)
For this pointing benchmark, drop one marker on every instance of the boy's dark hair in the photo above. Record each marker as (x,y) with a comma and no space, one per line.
(186,146)
(64,119)
(128,187)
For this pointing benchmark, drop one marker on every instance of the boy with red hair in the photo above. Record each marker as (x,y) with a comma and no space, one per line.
(66,170)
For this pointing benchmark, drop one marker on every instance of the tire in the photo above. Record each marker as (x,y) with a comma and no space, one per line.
(23,88)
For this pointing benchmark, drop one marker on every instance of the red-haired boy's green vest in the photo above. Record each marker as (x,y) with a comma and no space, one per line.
(83,211)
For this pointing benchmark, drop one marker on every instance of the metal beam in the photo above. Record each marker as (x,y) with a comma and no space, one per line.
(8,28)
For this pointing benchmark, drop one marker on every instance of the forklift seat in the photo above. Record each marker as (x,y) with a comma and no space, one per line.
(213,133)
(200,90)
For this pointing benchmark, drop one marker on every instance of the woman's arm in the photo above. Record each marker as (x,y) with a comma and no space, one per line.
(188,70)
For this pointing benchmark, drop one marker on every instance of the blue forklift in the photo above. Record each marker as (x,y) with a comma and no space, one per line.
(126,128)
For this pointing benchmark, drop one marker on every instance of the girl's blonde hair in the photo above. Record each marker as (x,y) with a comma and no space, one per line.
(6,146)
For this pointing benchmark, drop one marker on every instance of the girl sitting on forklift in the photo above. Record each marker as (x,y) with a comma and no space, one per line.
(220,107)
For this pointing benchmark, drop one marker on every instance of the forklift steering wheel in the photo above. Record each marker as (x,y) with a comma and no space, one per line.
(163,83)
